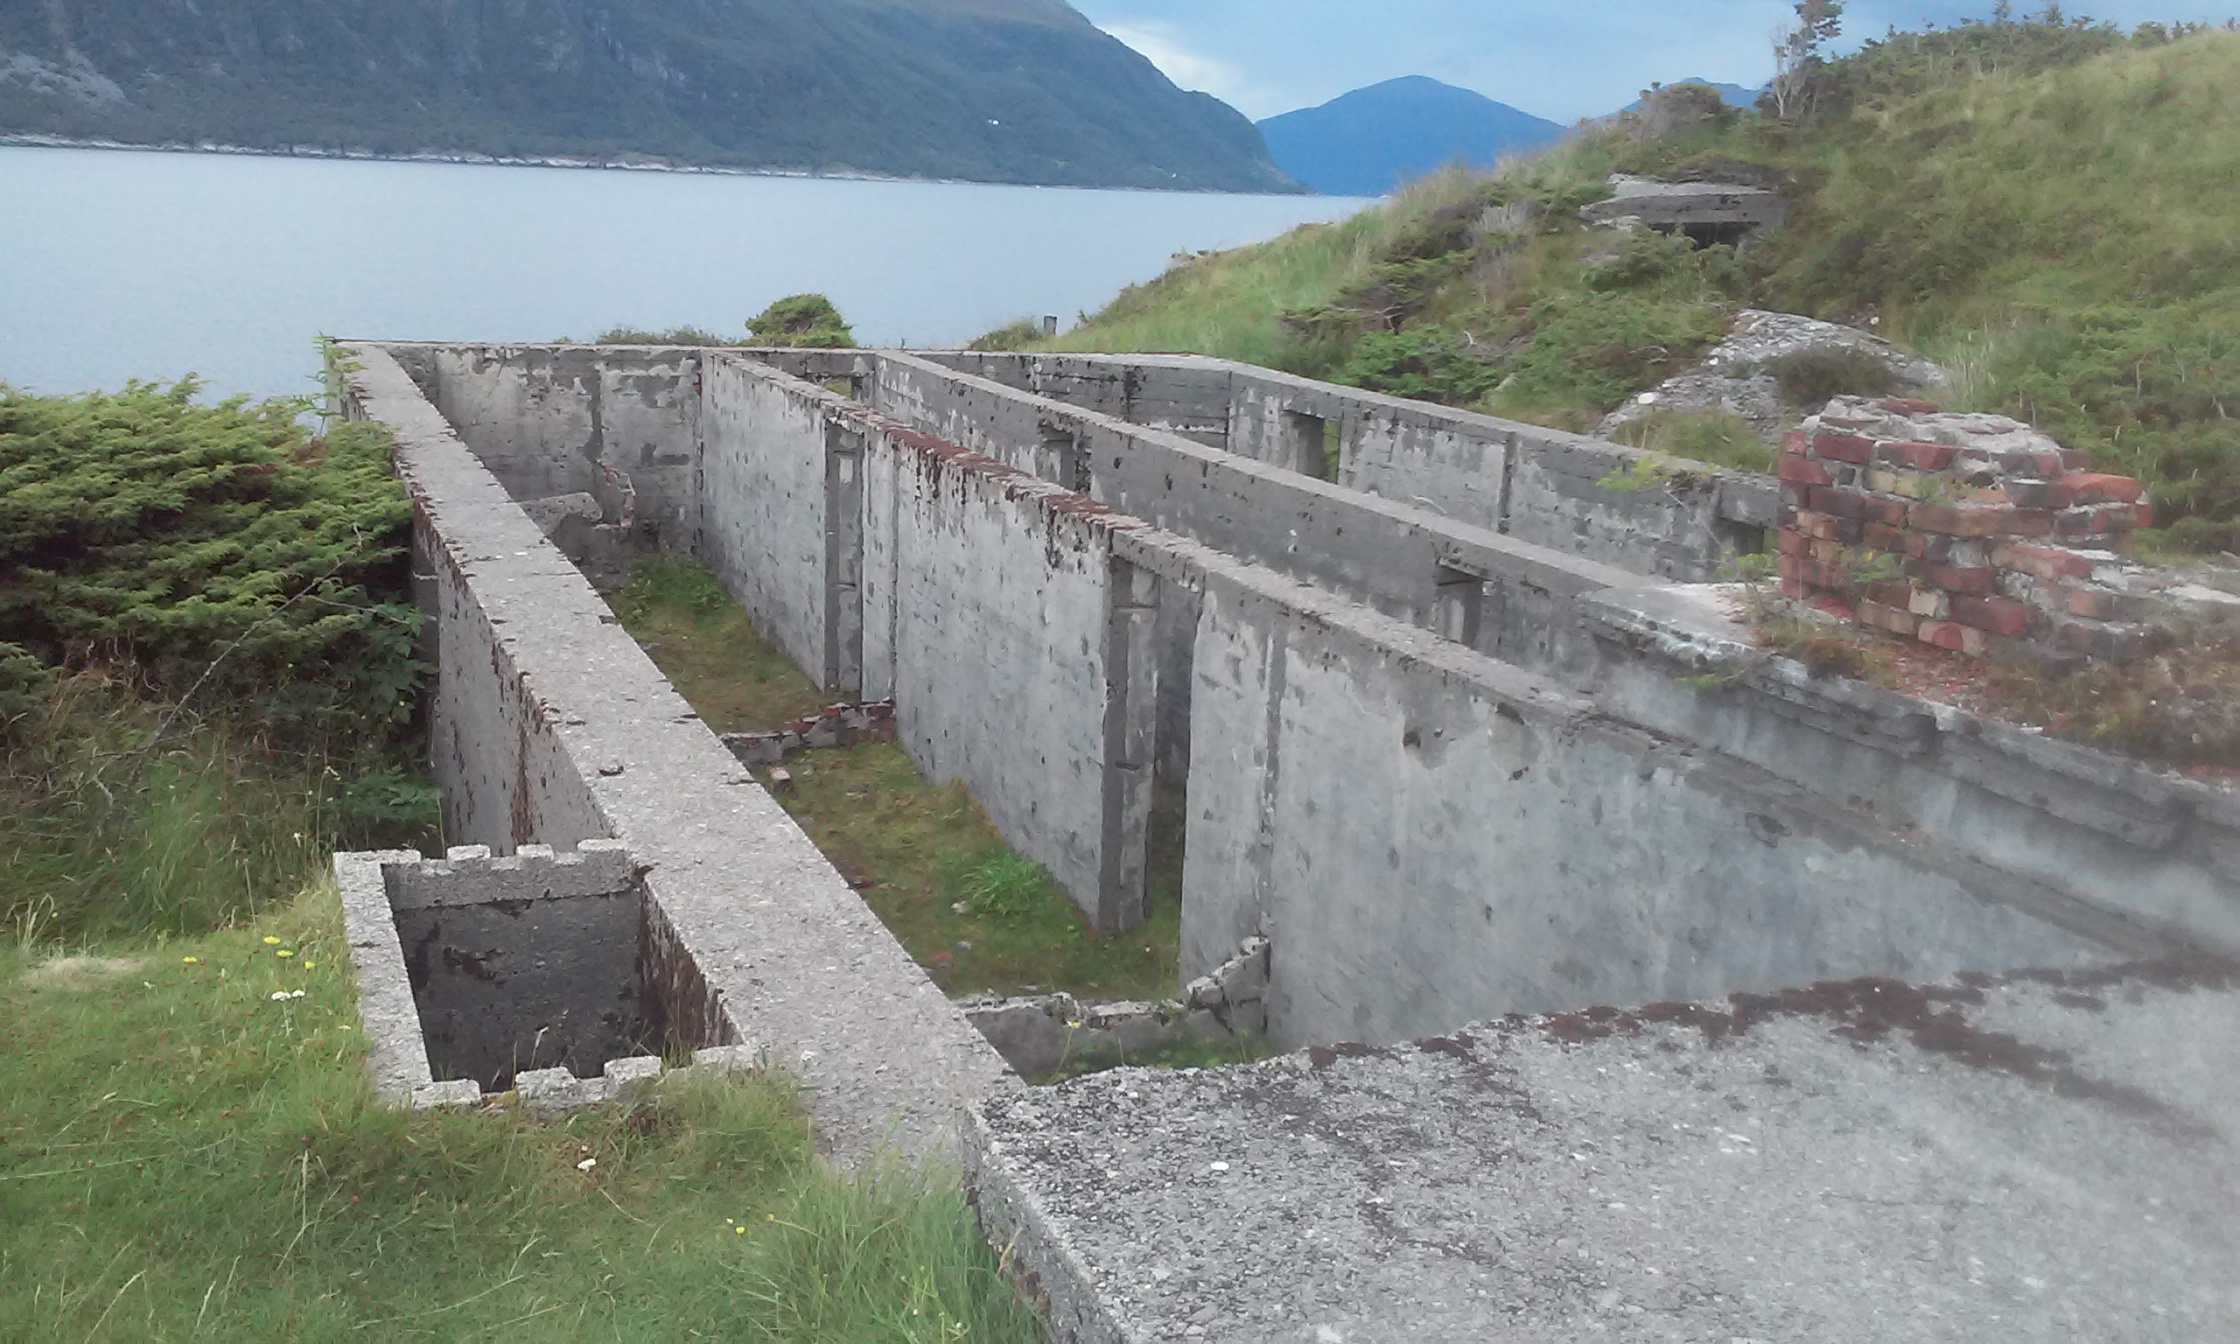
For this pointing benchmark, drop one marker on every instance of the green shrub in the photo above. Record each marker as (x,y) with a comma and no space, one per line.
(25,683)
(1022,334)
(222,552)
(687,335)
(1812,378)
(802,321)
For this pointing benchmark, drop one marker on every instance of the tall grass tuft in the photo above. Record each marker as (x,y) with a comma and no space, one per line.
(121,820)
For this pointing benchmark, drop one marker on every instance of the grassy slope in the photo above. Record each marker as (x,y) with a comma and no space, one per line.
(2063,238)
(916,849)
(183,1157)
(2066,241)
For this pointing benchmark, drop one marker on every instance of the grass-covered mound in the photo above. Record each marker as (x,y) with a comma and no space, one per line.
(189,1149)
(2045,207)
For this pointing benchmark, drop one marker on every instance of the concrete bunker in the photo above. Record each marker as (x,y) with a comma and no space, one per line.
(554,975)
(527,967)
(1449,768)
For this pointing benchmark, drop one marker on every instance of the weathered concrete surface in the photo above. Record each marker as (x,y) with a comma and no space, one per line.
(2155,849)
(1538,485)
(764,483)
(2040,1161)
(553,727)
(1431,837)
(561,419)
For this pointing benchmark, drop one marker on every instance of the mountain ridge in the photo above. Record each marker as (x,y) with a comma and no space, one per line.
(1367,142)
(1022,91)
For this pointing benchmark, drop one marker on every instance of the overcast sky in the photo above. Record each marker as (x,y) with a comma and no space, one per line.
(1560,59)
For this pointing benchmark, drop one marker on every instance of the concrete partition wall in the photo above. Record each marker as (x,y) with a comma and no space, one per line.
(1430,837)
(1512,599)
(1539,485)
(550,420)
(1180,394)
(764,477)
(553,726)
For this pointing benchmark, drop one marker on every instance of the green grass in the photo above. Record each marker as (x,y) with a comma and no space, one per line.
(119,819)
(703,642)
(1714,437)
(184,1157)
(915,850)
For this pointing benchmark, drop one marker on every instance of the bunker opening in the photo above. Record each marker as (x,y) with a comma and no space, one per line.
(522,965)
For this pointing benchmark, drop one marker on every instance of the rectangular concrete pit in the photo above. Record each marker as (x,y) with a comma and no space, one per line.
(528,964)
(556,974)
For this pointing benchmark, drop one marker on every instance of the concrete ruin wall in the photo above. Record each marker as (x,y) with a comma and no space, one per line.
(1033,639)
(1525,481)
(556,420)
(1429,836)
(553,727)
(1505,597)
(2016,808)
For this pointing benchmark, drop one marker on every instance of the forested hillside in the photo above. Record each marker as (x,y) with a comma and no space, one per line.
(2045,208)
(986,90)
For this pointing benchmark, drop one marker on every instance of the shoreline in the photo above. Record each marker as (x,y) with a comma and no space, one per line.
(29,140)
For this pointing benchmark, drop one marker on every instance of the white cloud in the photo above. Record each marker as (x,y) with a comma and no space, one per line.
(1156,43)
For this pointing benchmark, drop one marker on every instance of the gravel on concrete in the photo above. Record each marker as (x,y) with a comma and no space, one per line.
(2039,1158)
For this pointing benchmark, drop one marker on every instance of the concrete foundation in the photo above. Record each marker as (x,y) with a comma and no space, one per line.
(1417,696)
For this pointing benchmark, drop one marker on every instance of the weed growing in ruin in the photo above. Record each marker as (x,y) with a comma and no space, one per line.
(1712,437)
(1000,885)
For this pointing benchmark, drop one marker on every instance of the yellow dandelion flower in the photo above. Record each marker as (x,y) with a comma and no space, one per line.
(191,961)
(740,1230)
(283,952)
(311,965)
(270,941)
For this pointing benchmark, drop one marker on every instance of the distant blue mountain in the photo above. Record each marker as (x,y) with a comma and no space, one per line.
(1368,142)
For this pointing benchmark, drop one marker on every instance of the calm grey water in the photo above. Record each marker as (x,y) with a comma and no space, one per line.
(117,265)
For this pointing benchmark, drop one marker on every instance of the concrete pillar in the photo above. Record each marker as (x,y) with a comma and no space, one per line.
(843,561)
(1131,731)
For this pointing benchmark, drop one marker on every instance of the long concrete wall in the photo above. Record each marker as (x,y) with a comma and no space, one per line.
(1535,484)
(554,727)
(1429,836)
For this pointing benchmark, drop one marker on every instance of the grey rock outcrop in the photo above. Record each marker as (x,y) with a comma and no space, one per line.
(1739,375)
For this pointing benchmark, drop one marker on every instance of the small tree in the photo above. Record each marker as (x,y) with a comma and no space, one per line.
(803,321)
(1797,61)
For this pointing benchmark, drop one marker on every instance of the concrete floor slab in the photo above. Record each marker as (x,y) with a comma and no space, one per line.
(2046,1158)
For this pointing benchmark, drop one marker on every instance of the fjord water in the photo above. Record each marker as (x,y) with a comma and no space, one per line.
(118,264)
